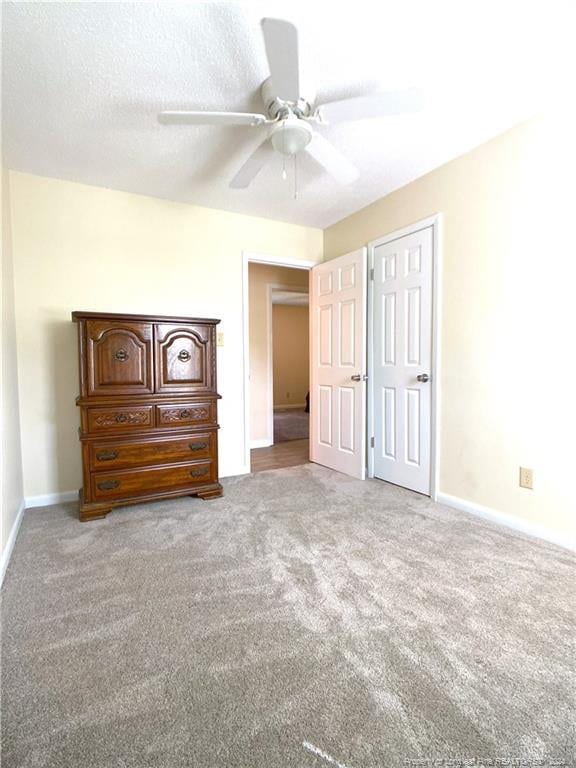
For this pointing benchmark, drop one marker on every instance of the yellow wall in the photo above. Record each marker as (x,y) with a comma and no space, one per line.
(86,248)
(261,276)
(507,295)
(290,354)
(508,320)
(12,495)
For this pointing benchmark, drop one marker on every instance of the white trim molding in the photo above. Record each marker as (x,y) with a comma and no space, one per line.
(291,407)
(48,499)
(278,261)
(10,541)
(510,521)
(262,443)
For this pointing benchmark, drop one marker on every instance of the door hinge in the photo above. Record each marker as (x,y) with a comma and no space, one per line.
(371,442)
(372,274)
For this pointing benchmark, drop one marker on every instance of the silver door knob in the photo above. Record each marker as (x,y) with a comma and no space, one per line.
(423,377)
(359,377)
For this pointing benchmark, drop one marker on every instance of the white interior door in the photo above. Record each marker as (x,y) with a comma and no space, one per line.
(402,360)
(338,364)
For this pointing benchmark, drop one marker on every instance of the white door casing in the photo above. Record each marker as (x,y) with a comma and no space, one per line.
(402,351)
(338,294)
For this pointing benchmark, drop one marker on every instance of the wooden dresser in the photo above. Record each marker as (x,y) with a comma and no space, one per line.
(148,406)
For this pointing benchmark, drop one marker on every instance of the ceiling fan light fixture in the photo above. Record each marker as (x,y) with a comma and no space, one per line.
(291,136)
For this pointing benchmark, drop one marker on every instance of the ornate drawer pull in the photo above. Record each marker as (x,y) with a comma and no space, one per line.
(121,418)
(108,485)
(198,446)
(107,455)
(200,472)
(184,355)
(185,414)
(121,355)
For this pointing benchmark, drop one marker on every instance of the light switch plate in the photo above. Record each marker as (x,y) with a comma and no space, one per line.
(220,339)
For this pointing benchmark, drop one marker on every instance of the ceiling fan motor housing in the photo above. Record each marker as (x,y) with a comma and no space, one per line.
(275,107)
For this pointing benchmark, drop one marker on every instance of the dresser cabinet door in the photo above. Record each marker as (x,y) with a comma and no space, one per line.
(119,357)
(184,358)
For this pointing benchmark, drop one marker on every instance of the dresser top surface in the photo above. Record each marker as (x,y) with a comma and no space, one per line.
(142,318)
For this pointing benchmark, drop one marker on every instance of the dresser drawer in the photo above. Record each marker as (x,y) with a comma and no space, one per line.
(116,454)
(119,418)
(186,414)
(147,480)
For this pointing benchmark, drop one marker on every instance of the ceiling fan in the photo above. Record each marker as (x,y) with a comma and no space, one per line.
(290,116)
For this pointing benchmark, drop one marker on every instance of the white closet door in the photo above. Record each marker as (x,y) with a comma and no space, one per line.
(402,356)
(338,364)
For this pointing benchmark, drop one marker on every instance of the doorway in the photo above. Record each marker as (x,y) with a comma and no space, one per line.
(277,384)
(290,365)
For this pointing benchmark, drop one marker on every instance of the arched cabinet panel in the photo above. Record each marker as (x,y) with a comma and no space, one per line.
(184,358)
(119,358)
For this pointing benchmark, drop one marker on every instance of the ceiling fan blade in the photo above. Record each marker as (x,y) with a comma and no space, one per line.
(253,165)
(281,41)
(210,118)
(333,161)
(375,105)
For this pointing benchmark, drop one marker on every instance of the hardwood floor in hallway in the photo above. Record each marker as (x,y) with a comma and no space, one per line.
(288,454)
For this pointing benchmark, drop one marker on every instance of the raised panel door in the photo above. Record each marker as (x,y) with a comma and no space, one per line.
(402,360)
(119,358)
(338,364)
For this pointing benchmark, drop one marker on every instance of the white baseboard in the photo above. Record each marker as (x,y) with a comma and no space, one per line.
(511,521)
(292,406)
(11,540)
(243,470)
(50,498)
(264,443)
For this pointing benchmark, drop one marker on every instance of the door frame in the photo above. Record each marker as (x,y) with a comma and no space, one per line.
(250,257)
(435,222)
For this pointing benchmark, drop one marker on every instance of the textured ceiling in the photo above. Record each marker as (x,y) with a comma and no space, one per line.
(83,82)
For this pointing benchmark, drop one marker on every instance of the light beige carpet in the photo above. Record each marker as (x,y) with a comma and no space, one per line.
(305,619)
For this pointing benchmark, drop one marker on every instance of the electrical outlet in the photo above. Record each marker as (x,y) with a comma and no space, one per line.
(220,339)
(526,478)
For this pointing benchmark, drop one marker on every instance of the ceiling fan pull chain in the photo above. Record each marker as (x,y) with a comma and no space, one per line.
(295,178)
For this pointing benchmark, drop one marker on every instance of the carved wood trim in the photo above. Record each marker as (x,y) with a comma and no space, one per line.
(124,417)
(184,414)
